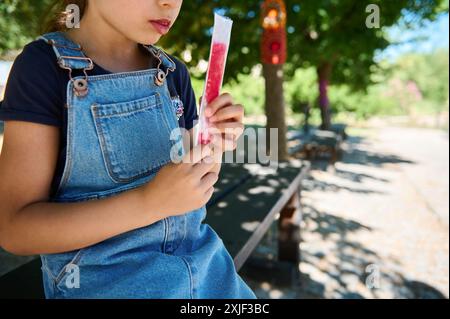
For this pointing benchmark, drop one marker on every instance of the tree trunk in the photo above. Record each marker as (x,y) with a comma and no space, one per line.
(324,73)
(275,107)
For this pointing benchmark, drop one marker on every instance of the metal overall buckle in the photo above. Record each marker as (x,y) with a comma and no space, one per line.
(80,86)
(161,76)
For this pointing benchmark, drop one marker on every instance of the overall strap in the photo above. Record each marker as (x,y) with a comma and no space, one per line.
(164,60)
(162,56)
(69,54)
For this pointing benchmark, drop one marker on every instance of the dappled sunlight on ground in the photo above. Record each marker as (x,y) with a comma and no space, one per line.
(371,229)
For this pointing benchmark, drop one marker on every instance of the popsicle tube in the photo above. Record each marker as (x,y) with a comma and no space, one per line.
(214,77)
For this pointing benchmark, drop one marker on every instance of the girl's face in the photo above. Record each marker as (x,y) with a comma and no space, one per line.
(143,21)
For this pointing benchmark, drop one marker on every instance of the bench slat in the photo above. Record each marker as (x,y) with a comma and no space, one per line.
(242,218)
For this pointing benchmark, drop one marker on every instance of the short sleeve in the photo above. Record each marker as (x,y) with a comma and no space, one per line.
(33,89)
(187,95)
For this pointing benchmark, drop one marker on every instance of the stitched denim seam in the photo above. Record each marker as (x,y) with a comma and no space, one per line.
(69,144)
(127,113)
(191,279)
(166,234)
(106,155)
(49,272)
(118,75)
(99,195)
(151,101)
(75,260)
(166,121)
(184,233)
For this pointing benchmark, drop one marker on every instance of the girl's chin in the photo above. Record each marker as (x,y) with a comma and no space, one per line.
(150,38)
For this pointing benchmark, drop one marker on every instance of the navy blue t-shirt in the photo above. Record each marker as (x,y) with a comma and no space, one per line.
(36,92)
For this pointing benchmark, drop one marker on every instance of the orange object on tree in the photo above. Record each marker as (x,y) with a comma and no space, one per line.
(273,21)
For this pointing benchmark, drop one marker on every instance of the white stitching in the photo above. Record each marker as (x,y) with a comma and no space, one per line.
(191,279)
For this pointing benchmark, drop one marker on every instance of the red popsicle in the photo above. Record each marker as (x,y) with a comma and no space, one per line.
(214,82)
(215,76)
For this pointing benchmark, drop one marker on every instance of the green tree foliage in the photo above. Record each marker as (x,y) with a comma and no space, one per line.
(428,71)
(414,83)
(20,21)
(329,35)
(320,33)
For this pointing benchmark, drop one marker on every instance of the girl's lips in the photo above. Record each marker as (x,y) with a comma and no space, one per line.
(162,26)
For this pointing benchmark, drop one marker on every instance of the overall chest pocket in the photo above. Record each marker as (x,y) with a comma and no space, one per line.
(134,137)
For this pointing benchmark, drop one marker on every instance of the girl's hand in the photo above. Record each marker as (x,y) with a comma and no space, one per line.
(226,121)
(182,187)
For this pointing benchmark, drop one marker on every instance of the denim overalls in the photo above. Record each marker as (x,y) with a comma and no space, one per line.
(118,137)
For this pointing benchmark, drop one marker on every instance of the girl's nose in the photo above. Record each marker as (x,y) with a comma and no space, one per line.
(170,3)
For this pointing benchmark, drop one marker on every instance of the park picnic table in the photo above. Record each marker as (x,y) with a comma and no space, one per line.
(340,129)
(315,143)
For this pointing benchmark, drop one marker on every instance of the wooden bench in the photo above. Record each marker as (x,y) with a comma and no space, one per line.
(243,216)
(313,142)
(340,129)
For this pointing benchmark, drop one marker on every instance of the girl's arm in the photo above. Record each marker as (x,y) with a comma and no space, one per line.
(30,225)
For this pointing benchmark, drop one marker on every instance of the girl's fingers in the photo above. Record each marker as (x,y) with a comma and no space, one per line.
(229,143)
(209,193)
(203,168)
(223,100)
(228,128)
(209,180)
(235,112)
(197,154)
(224,143)
(216,141)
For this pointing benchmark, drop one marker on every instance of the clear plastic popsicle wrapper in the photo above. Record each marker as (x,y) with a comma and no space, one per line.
(216,69)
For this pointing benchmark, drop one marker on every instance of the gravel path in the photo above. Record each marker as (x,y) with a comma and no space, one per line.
(376,226)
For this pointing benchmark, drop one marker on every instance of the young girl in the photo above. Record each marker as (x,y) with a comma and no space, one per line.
(86,177)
